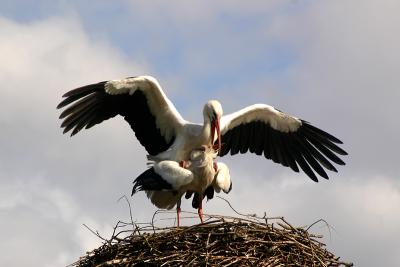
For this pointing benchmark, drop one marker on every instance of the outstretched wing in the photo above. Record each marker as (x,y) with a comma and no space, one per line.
(140,100)
(292,142)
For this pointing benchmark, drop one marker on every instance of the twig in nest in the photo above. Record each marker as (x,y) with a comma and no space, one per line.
(130,208)
(238,213)
(95,233)
(327,225)
(228,242)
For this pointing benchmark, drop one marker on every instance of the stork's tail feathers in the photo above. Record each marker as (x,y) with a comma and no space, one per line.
(149,180)
(209,193)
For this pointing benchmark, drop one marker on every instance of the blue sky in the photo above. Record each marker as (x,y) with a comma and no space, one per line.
(333,63)
(168,43)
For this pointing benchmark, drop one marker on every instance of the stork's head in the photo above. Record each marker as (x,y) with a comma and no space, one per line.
(212,113)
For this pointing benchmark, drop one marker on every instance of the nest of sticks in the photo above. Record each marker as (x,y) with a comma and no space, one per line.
(220,241)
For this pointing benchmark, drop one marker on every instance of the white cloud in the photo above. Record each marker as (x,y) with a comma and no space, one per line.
(42,202)
(347,69)
(47,218)
(359,210)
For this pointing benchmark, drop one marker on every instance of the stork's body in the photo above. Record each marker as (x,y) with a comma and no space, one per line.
(166,181)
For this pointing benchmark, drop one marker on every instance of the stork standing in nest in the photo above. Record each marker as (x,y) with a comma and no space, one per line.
(166,181)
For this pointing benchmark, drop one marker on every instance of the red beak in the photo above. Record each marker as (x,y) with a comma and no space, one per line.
(215,127)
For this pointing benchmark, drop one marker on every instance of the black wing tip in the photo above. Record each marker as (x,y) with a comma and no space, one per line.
(333,169)
(315,129)
(60,105)
(67,94)
(135,188)
(63,103)
(340,151)
(80,92)
(65,129)
(230,188)
(86,89)
(338,141)
(313,177)
(340,162)
(325,176)
(74,132)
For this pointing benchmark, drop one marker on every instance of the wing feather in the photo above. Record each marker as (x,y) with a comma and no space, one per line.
(287,140)
(309,129)
(280,149)
(235,141)
(252,137)
(244,139)
(78,93)
(310,159)
(259,140)
(267,144)
(290,158)
(140,100)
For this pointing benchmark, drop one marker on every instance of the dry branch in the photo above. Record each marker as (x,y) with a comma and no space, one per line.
(221,241)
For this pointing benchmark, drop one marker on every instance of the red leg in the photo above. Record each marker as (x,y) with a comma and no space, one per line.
(200,210)
(178,212)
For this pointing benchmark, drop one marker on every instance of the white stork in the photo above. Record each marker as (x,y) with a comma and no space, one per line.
(259,129)
(166,181)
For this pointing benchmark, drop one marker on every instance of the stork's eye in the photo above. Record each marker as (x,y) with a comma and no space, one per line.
(213,115)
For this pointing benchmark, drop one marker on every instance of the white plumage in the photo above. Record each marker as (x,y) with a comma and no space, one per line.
(173,174)
(263,113)
(222,180)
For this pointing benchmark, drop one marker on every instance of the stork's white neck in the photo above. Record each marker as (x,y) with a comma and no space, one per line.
(205,135)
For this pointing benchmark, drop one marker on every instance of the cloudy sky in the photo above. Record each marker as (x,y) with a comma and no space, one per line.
(334,63)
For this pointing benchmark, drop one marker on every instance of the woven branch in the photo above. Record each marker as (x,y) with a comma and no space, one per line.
(221,241)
